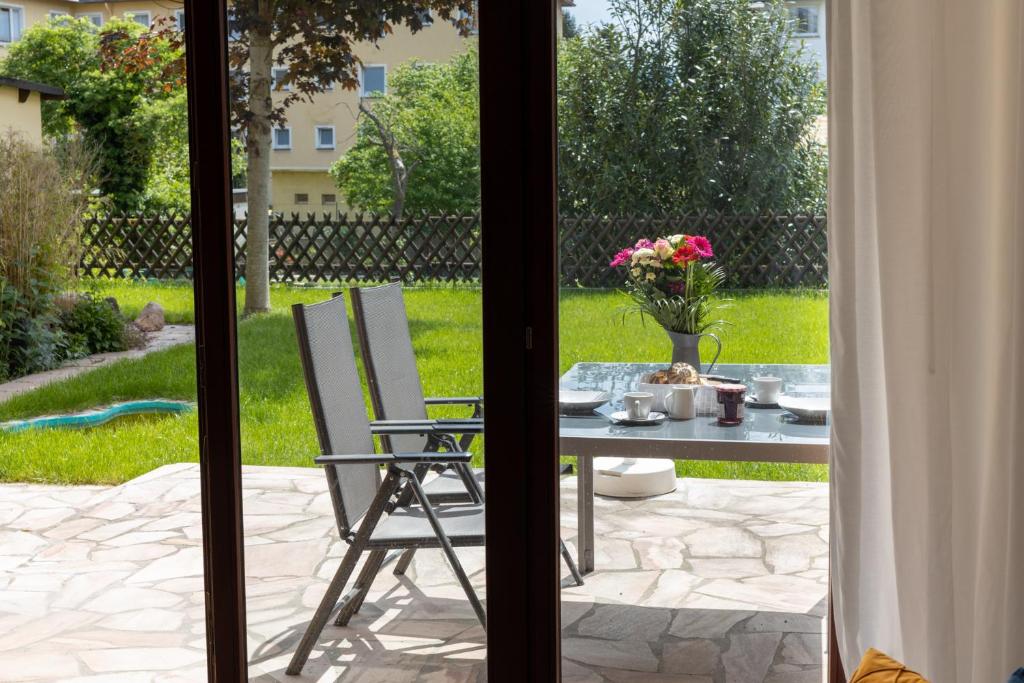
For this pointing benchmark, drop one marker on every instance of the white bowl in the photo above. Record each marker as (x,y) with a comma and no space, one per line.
(577,401)
(814,408)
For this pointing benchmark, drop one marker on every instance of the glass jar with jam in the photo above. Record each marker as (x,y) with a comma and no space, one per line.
(731,399)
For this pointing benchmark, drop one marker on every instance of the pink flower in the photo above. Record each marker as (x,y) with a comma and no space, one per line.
(621,258)
(644,244)
(701,245)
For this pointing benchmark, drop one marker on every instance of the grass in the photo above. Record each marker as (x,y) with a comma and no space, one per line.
(276,426)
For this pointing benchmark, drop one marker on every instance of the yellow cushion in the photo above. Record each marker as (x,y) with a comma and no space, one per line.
(878,667)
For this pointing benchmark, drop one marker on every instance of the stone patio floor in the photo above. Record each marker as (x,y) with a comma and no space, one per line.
(718,582)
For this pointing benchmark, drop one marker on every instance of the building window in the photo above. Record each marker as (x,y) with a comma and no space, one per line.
(141,18)
(426,18)
(328,199)
(279,75)
(325,137)
(57,14)
(301,198)
(804,20)
(11,23)
(373,80)
(179,18)
(95,18)
(282,138)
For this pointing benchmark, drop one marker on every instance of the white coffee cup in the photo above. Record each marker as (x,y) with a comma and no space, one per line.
(680,403)
(638,404)
(767,389)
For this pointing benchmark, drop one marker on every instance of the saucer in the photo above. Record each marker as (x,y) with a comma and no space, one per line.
(622,417)
(752,402)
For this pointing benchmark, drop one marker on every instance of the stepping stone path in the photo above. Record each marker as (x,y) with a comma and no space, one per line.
(170,335)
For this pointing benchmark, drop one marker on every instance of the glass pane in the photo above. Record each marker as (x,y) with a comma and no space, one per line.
(6,28)
(101,571)
(694,303)
(374,80)
(325,218)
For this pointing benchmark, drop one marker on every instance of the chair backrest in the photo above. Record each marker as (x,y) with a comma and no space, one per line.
(389,359)
(336,399)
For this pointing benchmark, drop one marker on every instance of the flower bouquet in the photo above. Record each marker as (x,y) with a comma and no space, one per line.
(673,280)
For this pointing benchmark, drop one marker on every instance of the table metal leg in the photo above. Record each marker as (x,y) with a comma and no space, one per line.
(585,512)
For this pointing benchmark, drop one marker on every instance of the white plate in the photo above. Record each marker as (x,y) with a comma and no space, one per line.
(572,400)
(622,417)
(807,407)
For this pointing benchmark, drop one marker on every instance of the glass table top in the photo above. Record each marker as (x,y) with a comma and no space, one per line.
(760,425)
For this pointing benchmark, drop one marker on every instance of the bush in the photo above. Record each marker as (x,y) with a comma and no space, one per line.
(41,207)
(93,326)
(689,106)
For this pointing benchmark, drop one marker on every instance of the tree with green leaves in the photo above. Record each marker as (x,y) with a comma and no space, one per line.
(417,148)
(684,105)
(115,81)
(315,40)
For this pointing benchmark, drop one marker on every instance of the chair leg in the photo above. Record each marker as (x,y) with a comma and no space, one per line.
(323,612)
(348,563)
(570,563)
(449,551)
(363,583)
(404,561)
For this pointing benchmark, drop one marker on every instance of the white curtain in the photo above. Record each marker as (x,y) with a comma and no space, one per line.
(926,226)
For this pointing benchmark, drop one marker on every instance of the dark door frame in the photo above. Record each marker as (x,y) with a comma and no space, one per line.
(216,348)
(520,321)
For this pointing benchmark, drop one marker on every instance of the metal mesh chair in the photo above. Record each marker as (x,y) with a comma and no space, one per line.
(397,394)
(369,512)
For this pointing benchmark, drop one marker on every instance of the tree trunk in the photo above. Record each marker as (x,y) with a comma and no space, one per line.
(257,247)
(399,172)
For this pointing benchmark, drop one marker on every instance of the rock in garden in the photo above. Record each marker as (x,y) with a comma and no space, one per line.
(113,304)
(151,319)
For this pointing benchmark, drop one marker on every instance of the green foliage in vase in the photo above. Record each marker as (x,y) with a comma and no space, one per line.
(673,280)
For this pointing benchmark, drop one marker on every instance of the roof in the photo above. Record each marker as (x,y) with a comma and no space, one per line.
(46,92)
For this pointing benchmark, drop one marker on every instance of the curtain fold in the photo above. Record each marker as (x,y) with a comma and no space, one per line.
(926,241)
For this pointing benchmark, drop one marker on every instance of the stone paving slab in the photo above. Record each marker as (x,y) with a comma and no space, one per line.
(113,592)
(170,335)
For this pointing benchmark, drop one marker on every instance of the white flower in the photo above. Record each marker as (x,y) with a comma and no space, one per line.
(643,255)
(652,277)
(674,240)
(635,272)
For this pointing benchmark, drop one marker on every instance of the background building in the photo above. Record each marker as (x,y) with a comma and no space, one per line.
(20,107)
(317,133)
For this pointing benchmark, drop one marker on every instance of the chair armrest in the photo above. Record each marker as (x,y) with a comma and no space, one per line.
(393,458)
(402,426)
(454,400)
(459,425)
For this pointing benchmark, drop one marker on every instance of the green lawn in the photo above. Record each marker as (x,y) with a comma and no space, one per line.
(276,426)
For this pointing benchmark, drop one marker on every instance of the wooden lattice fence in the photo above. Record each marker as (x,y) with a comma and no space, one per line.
(768,250)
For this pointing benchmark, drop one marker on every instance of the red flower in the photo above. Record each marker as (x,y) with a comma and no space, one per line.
(685,254)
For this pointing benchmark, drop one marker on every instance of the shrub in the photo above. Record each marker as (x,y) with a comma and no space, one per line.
(689,106)
(41,207)
(93,326)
